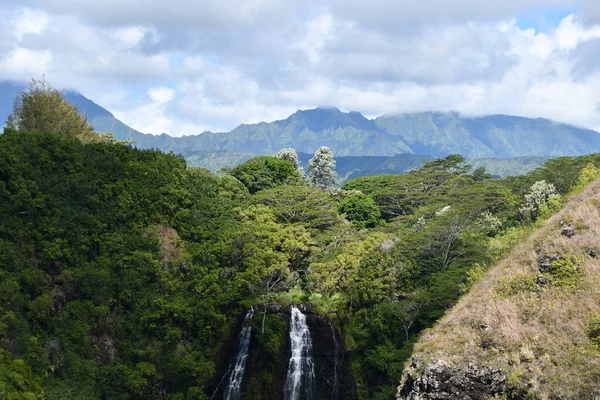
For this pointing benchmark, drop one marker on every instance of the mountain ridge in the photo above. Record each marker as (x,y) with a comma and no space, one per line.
(431,133)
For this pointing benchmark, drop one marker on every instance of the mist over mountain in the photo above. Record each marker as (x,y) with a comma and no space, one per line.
(432,134)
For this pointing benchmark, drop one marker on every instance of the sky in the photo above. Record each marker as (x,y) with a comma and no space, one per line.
(187,66)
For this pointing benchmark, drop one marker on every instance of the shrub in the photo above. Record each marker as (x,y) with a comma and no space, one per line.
(593,329)
(489,224)
(521,283)
(565,272)
(474,274)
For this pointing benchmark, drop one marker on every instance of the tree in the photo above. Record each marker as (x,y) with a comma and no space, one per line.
(361,210)
(540,195)
(309,206)
(322,168)
(16,379)
(232,189)
(266,172)
(268,252)
(407,311)
(291,156)
(44,109)
(452,164)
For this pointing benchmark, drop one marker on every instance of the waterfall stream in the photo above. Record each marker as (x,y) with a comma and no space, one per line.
(233,390)
(334,392)
(300,381)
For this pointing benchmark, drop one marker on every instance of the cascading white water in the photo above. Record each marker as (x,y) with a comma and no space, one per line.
(334,391)
(233,391)
(300,381)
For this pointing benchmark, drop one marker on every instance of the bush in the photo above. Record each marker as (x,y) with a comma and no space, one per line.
(521,283)
(565,272)
(474,274)
(593,329)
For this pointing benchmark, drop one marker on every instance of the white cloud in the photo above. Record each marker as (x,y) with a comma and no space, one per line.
(570,33)
(128,37)
(27,21)
(161,94)
(22,64)
(318,32)
(184,66)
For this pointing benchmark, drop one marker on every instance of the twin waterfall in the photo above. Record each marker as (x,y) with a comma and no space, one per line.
(300,381)
(234,389)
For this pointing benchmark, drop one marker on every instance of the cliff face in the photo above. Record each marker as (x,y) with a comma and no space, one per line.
(527,329)
(441,381)
(269,353)
(332,365)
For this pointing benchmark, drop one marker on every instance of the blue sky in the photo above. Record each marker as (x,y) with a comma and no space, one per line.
(184,66)
(544,18)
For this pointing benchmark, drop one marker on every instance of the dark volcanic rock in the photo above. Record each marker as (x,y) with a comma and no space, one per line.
(334,379)
(541,281)
(568,231)
(441,381)
(545,262)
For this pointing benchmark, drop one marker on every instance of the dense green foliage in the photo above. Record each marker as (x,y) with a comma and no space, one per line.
(265,172)
(124,272)
(361,210)
(101,297)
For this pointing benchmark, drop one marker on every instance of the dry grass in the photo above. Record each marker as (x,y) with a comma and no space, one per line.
(539,336)
(171,246)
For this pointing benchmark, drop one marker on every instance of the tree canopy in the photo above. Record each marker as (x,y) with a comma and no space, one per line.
(266,172)
(44,109)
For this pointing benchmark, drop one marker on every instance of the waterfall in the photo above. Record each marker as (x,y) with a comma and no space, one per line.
(334,392)
(300,381)
(233,390)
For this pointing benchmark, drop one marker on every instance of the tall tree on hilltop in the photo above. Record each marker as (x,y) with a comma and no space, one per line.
(322,168)
(44,109)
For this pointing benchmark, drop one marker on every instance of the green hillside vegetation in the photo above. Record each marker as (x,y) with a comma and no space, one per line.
(350,167)
(126,273)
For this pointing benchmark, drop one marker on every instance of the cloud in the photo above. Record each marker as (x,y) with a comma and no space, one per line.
(161,94)
(22,62)
(26,21)
(184,66)
(211,14)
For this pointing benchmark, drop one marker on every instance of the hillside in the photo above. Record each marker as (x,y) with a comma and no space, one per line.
(530,327)
(431,134)
(125,273)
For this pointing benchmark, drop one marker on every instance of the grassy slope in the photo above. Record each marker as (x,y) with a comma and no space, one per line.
(538,336)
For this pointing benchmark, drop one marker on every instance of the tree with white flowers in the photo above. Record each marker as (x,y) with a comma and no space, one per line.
(291,156)
(321,169)
(541,196)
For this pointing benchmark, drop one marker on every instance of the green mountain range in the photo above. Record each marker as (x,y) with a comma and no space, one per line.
(430,134)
